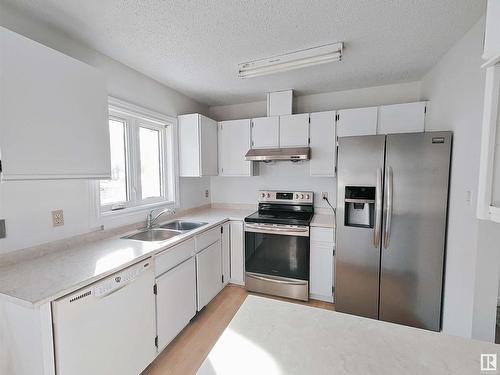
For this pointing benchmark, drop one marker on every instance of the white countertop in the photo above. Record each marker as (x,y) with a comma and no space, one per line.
(40,279)
(274,337)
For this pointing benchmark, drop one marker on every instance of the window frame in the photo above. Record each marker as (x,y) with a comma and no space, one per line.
(125,204)
(134,118)
(164,191)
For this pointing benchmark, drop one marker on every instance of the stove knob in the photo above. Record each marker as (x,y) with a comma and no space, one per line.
(307,196)
(301,196)
(263,195)
(296,196)
(268,195)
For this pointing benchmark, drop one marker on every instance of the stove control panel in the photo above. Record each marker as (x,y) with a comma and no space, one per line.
(286,197)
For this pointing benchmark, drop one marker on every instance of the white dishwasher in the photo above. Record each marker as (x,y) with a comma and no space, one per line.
(107,327)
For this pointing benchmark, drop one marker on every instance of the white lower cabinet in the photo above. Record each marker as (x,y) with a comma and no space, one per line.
(226,253)
(237,252)
(175,301)
(208,273)
(321,273)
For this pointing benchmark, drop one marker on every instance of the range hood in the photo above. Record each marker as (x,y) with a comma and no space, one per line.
(269,154)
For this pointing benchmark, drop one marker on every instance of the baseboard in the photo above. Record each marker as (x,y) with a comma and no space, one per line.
(320,297)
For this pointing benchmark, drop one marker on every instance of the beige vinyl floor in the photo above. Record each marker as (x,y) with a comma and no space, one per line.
(186,353)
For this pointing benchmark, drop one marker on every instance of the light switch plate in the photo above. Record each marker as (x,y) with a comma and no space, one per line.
(2,228)
(57,218)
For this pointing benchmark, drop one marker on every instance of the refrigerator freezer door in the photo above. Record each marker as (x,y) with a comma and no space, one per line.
(360,166)
(416,193)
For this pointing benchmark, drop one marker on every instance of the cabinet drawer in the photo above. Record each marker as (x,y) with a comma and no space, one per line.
(174,256)
(319,234)
(207,238)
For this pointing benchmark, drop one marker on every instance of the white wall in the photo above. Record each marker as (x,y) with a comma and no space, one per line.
(26,206)
(286,175)
(274,176)
(455,88)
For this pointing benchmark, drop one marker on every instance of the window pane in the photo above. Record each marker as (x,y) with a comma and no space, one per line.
(150,162)
(115,190)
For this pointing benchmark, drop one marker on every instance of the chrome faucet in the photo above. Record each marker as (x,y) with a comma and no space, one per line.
(154,215)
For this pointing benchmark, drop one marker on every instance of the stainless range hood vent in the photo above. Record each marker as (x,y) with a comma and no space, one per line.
(269,154)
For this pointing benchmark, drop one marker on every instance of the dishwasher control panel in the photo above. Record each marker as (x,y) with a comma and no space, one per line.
(120,279)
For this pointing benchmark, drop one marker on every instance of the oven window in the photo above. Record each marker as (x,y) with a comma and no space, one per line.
(277,255)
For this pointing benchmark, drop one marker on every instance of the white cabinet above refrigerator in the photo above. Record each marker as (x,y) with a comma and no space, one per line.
(401,118)
(357,121)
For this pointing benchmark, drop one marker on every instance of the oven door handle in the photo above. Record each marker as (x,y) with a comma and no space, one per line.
(286,231)
(275,280)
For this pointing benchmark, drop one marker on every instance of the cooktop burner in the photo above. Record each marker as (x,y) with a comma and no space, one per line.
(278,207)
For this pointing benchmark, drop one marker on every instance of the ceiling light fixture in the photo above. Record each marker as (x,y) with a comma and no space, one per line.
(294,60)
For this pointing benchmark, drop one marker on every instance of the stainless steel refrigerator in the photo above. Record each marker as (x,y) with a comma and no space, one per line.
(392,203)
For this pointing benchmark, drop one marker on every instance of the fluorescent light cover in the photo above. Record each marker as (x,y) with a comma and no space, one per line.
(294,60)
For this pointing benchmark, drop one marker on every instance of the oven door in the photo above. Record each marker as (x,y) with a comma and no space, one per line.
(277,250)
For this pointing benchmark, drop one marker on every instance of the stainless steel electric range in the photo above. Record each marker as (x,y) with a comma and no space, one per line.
(277,244)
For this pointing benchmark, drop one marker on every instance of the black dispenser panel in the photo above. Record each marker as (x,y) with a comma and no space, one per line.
(359,206)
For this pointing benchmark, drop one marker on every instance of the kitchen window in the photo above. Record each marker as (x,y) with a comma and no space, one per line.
(142,160)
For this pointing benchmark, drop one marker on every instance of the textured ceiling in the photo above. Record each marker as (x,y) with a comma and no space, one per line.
(195,46)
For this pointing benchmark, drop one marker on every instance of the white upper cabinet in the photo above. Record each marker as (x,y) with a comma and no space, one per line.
(401,118)
(323,144)
(234,142)
(357,121)
(197,146)
(492,35)
(53,113)
(265,132)
(294,130)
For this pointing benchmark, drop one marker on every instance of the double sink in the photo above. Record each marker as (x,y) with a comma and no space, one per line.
(165,231)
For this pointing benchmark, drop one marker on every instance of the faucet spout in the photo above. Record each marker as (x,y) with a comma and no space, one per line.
(154,215)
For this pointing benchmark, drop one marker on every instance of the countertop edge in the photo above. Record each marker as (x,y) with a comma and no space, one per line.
(161,248)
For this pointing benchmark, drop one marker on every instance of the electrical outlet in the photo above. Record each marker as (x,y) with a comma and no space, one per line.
(2,228)
(57,218)
(324,195)
(206,193)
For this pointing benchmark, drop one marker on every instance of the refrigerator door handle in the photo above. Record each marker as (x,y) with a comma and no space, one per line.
(378,210)
(388,211)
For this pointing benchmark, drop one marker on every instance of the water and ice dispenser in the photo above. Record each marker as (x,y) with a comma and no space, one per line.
(359,206)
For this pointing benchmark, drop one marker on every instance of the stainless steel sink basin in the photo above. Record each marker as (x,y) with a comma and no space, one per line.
(153,235)
(182,225)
